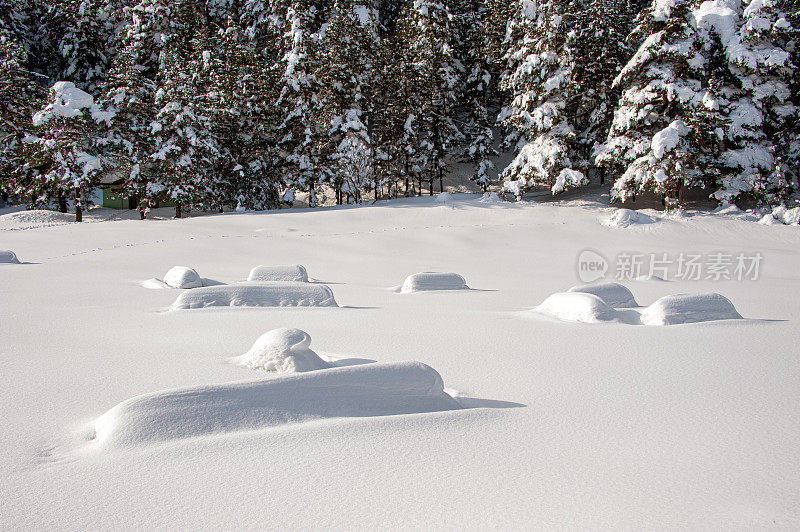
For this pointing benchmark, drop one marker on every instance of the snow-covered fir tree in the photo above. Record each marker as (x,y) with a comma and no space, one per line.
(434,75)
(63,153)
(298,133)
(561,58)
(86,36)
(662,138)
(19,96)
(346,81)
(184,145)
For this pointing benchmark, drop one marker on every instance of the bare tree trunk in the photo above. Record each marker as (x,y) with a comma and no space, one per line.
(62,203)
(78,205)
(178,212)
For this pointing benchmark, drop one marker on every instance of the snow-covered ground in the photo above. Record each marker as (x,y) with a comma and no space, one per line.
(120,413)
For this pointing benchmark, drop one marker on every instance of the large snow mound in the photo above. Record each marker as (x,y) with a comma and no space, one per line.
(420,282)
(282,350)
(183,277)
(689,308)
(626,218)
(275,294)
(577,307)
(8,257)
(34,219)
(294,272)
(355,391)
(613,294)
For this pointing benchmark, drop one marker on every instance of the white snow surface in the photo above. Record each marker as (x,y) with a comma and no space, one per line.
(366,390)
(614,295)
(69,102)
(620,426)
(294,272)
(689,308)
(257,294)
(428,281)
(576,306)
(8,257)
(182,277)
(282,350)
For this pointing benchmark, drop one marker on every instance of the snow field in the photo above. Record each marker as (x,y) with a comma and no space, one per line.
(282,350)
(257,294)
(8,257)
(294,272)
(353,391)
(427,281)
(691,427)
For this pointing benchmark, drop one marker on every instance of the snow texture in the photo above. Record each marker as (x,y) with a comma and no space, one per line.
(576,307)
(613,294)
(366,390)
(182,277)
(428,281)
(294,272)
(282,350)
(626,218)
(689,308)
(257,294)
(8,257)
(69,103)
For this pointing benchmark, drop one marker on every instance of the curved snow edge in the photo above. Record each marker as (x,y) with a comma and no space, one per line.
(355,391)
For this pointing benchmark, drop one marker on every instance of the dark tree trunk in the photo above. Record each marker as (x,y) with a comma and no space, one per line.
(178,213)
(62,203)
(78,206)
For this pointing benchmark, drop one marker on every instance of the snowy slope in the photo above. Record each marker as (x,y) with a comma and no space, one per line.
(564,425)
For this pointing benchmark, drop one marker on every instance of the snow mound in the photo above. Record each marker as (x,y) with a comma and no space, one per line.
(444,197)
(34,219)
(613,294)
(577,307)
(275,294)
(282,350)
(8,257)
(365,390)
(689,308)
(294,272)
(786,216)
(183,277)
(69,103)
(425,281)
(490,197)
(626,218)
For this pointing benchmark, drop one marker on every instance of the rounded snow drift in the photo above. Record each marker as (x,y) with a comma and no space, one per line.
(282,350)
(627,217)
(689,308)
(365,390)
(425,281)
(576,307)
(8,257)
(613,294)
(183,277)
(294,272)
(272,294)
